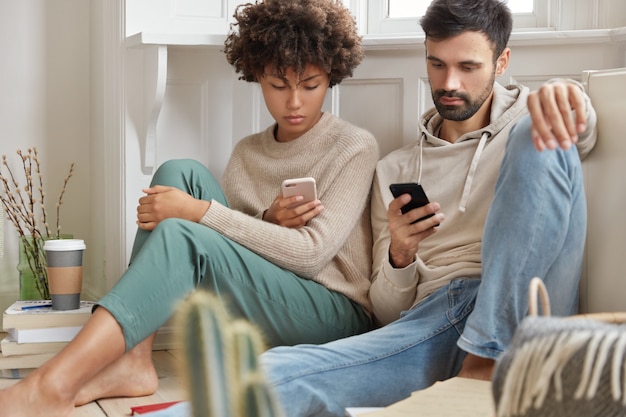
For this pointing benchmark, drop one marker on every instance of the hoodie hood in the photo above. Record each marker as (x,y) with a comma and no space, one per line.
(507,105)
(508,102)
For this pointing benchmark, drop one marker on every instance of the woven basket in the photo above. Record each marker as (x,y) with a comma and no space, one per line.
(537,292)
(562,366)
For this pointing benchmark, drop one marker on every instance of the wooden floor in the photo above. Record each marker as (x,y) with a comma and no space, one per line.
(170,389)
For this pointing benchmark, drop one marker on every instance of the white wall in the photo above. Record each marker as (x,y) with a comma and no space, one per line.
(44,80)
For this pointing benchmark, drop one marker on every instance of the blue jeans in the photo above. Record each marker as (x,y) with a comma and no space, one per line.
(536,227)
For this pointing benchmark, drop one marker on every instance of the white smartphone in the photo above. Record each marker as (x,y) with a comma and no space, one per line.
(300,186)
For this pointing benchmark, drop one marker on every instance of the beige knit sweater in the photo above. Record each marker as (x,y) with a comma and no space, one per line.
(334,248)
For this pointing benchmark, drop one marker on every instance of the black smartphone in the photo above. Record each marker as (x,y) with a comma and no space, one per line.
(418,196)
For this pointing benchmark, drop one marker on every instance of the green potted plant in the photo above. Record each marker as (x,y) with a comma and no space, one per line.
(24,205)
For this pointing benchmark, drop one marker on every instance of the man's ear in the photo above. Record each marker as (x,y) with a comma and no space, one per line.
(502,63)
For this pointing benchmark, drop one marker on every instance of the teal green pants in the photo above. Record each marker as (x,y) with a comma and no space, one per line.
(179,256)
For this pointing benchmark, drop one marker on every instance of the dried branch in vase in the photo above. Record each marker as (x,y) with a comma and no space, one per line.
(25,208)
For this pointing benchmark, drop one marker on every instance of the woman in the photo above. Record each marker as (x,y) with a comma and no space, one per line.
(300,274)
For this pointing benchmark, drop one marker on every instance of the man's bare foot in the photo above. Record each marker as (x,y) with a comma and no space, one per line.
(132,375)
(476,367)
(36,396)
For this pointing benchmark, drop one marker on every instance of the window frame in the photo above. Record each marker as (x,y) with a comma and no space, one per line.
(378,22)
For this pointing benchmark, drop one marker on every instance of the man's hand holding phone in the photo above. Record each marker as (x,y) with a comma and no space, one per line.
(412,218)
(296,205)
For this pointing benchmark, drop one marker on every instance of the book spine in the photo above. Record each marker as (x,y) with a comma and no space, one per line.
(15,373)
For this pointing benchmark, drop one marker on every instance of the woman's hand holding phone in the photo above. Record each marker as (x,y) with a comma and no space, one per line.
(296,205)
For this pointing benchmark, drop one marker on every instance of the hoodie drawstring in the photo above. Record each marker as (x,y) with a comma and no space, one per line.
(470,174)
(472,171)
(419,172)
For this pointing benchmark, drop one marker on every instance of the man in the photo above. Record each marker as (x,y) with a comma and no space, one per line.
(451,289)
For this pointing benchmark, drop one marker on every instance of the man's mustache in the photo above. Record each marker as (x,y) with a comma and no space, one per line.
(456,94)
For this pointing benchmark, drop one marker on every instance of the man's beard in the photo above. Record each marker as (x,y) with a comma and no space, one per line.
(463,112)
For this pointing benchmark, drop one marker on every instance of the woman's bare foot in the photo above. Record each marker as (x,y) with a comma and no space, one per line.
(51,390)
(476,367)
(132,375)
(36,395)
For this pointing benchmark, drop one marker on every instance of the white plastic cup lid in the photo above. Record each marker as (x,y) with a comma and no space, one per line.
(64,244)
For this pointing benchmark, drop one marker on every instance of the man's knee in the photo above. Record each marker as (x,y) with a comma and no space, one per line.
(520,139)
(522,156)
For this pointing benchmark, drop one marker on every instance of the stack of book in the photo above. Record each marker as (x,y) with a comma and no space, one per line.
(34,332)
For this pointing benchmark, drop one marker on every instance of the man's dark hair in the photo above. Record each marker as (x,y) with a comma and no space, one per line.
(292,34)
(445,19)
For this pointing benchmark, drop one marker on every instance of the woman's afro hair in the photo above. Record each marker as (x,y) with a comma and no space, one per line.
(292,34)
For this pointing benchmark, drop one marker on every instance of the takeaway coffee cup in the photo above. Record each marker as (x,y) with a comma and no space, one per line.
(64,258)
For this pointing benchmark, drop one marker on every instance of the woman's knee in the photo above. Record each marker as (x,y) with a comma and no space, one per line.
(170,171)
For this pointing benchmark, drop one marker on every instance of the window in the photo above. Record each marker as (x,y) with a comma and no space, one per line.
(402,16)
(407,8)
(416,8)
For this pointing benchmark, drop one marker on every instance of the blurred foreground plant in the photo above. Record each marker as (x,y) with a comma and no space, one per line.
(220,361)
